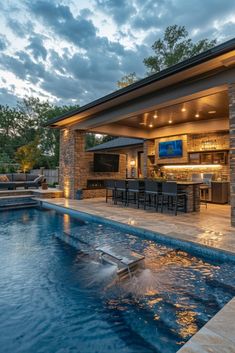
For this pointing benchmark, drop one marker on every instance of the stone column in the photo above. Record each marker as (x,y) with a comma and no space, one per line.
(145,167)
(149,150)
(72,161)
(231,93)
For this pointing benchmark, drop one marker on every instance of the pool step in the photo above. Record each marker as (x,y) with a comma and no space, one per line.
(16,202)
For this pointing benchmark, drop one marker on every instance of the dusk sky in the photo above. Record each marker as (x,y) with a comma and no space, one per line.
(72,52)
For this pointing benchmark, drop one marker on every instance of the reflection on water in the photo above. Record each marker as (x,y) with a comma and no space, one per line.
(164,288)
(61,298)
(186,318)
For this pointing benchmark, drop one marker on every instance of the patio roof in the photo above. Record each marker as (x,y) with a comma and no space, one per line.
(205,65)
(116,143)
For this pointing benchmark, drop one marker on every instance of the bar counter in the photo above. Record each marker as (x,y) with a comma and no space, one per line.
(192,190)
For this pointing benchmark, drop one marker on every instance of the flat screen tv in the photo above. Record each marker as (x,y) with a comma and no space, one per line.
(170,149)
(104,162)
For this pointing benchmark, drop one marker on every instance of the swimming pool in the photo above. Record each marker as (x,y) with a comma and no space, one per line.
(52,300)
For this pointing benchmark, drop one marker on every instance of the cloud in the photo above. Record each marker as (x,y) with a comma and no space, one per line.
(80,31)
(7,98)
(23,66)
(36,47)
(120,10)
(20,29)
(72,51)
(63,87)
(3,42)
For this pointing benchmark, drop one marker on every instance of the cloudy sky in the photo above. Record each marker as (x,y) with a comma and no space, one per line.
(74,51)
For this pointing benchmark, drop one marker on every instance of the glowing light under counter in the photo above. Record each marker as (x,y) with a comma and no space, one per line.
(193,166)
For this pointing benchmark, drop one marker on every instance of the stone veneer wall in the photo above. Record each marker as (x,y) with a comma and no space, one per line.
(186,173)
(76,165)
(72,166)
(149,159)
(211,141)
(193,143)
(231,93)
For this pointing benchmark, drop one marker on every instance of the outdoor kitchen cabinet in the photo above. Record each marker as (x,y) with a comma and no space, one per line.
(220,191)
(214,157)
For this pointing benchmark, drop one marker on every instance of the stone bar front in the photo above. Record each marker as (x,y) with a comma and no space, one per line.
(192,191)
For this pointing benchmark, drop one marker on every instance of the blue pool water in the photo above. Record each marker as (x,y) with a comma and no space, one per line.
(51,300)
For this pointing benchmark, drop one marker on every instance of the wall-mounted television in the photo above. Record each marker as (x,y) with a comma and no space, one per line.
(170,149)
(106,163)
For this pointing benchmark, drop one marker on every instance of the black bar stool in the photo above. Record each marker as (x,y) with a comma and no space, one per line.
(172,197)
(110,186)
(152,194)
(121,191)
(135,192)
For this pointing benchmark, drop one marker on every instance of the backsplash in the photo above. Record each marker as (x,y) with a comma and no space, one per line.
(208,142)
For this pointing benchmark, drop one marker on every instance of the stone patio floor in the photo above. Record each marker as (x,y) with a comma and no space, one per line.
(210,227)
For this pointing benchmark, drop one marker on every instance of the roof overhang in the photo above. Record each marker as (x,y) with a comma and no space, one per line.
(208,64)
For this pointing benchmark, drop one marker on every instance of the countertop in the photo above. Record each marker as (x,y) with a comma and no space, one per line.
(189,182)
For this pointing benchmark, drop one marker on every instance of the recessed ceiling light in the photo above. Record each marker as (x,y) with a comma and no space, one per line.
(170,121)
(150,125)
(155,116)
(212,112)
(183,109)
(197,115)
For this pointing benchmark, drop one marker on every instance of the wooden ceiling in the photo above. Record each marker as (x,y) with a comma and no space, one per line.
(204,108)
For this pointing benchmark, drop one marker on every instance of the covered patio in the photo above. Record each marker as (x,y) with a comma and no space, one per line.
(193,102)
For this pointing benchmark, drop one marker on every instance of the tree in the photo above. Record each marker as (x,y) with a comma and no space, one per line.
(28,155)
(20,126)
(9,135)
(127,80)
(175,46)
(92,140)
(106,138)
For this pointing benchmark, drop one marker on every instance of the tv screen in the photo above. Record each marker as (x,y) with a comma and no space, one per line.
(170,149)
(106,162)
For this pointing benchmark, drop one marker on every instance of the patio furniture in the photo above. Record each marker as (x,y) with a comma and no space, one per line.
(110,186)
(172,197)
(135,192)
(14,180)
(121,191)
(152,194)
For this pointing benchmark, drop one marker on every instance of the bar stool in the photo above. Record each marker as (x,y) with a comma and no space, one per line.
(172,197)
(121,191)
(135,188)
(204,191)
(110,186)
(152,194)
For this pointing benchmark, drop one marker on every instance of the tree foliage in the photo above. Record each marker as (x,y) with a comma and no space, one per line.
(127,80)
(175,46)
(28,155)
(23,124)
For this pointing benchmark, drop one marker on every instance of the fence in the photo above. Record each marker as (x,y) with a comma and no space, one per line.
(51,175)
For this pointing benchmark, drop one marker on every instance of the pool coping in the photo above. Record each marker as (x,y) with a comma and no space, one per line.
(218,334)
(199,249)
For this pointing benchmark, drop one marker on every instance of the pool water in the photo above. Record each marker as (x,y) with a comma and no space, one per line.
(54,300)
